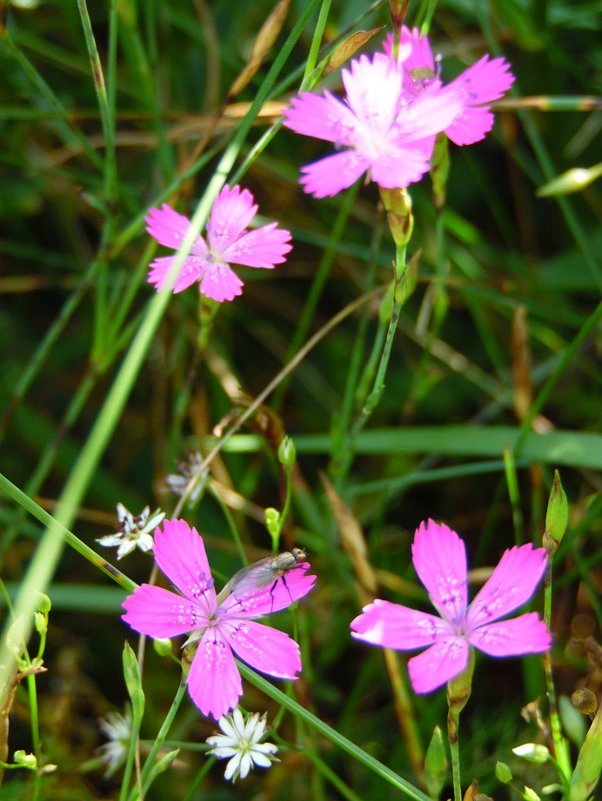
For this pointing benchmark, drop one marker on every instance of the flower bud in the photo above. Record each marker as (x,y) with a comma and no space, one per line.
(133,682)
(589,763)
(398,205)
(573,722)
(573,180)
(272,521)
(40,623)
(435,764)
(459,689)
(287,453)
(163,646)
(43,603)
(25,760)
(503,773)
(557,514)
(532,752)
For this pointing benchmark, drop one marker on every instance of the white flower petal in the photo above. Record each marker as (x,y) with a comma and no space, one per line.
(232,768)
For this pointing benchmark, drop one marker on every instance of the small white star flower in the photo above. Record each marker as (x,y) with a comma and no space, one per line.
(133,530)
(117,728)
(240,744)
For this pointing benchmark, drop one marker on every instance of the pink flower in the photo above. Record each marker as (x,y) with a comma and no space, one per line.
(376,130)
(475,88)
(228,242)
(439,558)
(222,631)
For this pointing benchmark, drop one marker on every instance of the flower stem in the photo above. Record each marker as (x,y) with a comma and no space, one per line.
(159,741)
(344,461)
(458,693)
(561,751)
(453,729)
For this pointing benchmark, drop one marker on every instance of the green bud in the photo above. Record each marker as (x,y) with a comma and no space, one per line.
(589,763)
(133,682)
(532,752)
(163,647)
(459,689)
(398,205)
(435,764)
(43,603)
(272,521)
(287,453)
(24,760)
(503,773)
(188,652)
(41,623)
(529,794)
(573,180)
(573,722)
(557,514)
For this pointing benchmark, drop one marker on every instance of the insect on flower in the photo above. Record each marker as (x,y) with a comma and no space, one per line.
(266,571)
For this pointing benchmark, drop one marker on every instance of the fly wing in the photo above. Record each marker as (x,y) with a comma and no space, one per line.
(253,577)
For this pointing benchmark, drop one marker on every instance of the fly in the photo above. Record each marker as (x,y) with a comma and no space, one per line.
(266,571)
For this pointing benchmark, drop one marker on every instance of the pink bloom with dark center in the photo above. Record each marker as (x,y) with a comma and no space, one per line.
(439,557)
(475,88)
(375,128)
(227,242)
(222,630)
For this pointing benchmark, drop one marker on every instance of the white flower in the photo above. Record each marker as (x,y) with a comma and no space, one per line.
(117,728)
(240,743)
(188,469)
(133,530)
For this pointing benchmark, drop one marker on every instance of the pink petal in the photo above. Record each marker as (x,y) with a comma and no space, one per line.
(374,88)
(262,247)
(190,272)
(167,226)
(526,634)
(421,55)
(232,212)
(430,113)
(470,126)
(438,664)
(323,117)
(255,601)
(180,554)
(220,283)
(439,558)
(265,649)
(396,626)
(214,682)
(400,167)
(483,82)
(513,582)
(332,174)
(160,613)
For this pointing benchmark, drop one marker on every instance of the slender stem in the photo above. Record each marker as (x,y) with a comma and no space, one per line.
(453,733)
(379,381)
(160,739)
(35,733)
(561,751)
